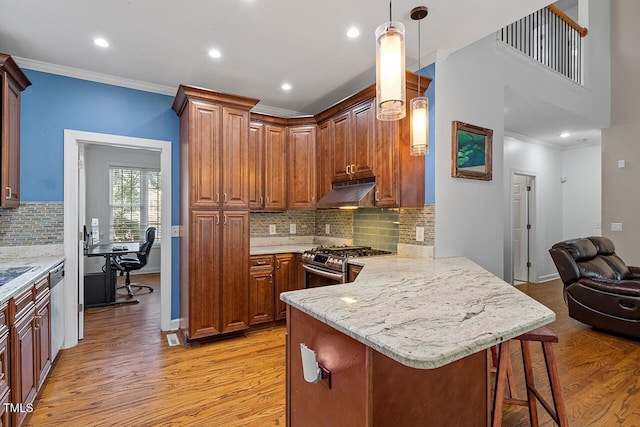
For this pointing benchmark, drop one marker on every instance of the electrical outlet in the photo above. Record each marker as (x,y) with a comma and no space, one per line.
(272,229)
(616,226)
(175,231)
(420,234)
(292,229)
(327,229)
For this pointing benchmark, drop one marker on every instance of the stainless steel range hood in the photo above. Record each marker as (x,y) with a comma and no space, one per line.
(349,195)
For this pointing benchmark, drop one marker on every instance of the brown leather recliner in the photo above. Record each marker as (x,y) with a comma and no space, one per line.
(599,288)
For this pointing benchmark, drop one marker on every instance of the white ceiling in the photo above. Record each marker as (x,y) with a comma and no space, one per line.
(264,43)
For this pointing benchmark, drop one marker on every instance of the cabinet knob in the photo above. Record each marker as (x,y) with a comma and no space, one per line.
(261,201)
(217,199)
(277,263)
(224,217)
(348,173)
(353,169)
(377,195)
(270,278)
(217,219)
(225,198)
(10,192)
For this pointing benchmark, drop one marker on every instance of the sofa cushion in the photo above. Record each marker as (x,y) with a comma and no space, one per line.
(603,245)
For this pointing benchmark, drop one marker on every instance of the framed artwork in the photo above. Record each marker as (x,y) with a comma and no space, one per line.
(471,151)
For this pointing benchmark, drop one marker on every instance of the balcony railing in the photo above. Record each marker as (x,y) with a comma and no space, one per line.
(550,37)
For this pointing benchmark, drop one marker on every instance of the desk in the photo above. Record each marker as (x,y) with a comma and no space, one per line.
(109,251)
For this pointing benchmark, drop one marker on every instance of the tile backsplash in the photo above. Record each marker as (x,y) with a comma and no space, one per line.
(32,223)
(378,228)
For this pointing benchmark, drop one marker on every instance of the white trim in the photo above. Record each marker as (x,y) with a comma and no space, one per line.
(72,139)
(175,325)
(275,111)
(548,277)
(92,76)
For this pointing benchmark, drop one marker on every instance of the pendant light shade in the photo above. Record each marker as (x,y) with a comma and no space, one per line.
(419,126)
(420,104)
(390,72)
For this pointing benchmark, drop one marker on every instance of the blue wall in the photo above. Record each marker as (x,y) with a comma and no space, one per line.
(54,103)
(430,159)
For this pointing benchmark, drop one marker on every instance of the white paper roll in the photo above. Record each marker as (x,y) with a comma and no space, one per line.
(310,367)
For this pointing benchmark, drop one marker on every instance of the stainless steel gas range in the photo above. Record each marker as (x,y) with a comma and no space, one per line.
(329,265)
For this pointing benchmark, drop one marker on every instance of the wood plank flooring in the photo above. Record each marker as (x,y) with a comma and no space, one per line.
(124,374)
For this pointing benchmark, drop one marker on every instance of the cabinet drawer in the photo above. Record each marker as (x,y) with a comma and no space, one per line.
(21,304)
(41,286)
(262,261)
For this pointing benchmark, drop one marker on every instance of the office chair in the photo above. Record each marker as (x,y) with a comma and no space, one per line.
(126,265)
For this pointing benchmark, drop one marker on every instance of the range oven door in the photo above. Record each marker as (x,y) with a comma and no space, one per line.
(315,277)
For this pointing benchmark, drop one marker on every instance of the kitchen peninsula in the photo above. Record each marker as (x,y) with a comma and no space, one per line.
(404,343)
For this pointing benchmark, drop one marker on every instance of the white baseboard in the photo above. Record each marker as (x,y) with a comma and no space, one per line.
(175,325)
(548,277)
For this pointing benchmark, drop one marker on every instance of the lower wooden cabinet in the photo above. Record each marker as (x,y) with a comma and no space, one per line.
(25,350)
(270,276)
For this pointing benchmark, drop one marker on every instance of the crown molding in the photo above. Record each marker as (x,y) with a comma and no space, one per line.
(275,111)
(77,73)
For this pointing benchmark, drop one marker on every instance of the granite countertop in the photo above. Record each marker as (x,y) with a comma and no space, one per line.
(281,249)
(423,312)
(40,258)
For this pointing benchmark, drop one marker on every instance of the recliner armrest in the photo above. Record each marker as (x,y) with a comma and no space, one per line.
(634,271)
(619,287)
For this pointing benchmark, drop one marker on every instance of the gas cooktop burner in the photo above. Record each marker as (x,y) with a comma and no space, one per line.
(349,251)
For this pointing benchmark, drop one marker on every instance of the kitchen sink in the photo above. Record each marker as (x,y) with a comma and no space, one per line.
(8,274)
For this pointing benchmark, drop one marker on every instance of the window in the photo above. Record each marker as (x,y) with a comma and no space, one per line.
(134,203)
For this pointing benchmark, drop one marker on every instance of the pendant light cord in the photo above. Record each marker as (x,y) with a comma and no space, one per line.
(419,39)
(390,20)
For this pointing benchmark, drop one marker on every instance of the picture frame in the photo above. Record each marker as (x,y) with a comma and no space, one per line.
(471,149)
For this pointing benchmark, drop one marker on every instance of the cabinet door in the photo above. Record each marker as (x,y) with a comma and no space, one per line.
(275,168)
(285,281)
(325,159)
(23,361)
(43,339)
(235,271)
(10,141)
(4,364)
(235,158)
(261,292)
(341,134)
(302,171)
(387,192)
(204,155)
(204,274)
(363,141)
(256,166)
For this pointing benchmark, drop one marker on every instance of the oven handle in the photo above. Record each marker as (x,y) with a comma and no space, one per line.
(327,274)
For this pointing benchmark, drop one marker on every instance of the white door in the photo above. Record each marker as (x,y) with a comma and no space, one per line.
(520,221)
(81,224)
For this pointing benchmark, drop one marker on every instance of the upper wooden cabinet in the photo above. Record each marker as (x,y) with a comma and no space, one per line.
(12,83)
(362,146)
(267,163)
(214,148)
(302,167)
(324,163)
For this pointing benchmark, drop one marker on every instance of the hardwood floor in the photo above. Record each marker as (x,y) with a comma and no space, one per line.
(124,373)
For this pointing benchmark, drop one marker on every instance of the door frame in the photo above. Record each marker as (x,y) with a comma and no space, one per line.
(532,220)
(73,227)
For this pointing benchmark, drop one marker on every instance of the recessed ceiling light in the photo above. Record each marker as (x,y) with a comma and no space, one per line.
(215,53)
(581,140)
(286,86)
(565,134)
(101,42)
(353,33)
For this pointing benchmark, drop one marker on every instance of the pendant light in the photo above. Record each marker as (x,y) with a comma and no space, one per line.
(419,106)
(390,71)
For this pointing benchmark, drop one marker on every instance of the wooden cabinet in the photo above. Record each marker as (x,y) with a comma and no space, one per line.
(324,164)
(5,357)
(353,271)
(23,353)
(214,210)
(270,276)
(267,165)
(302,167)
(363,147)
(12,83)
(285,281)
(42,326)
(353,133)
(261,290)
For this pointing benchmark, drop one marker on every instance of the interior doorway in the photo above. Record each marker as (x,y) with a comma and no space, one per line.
(521,227)
(75,143)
